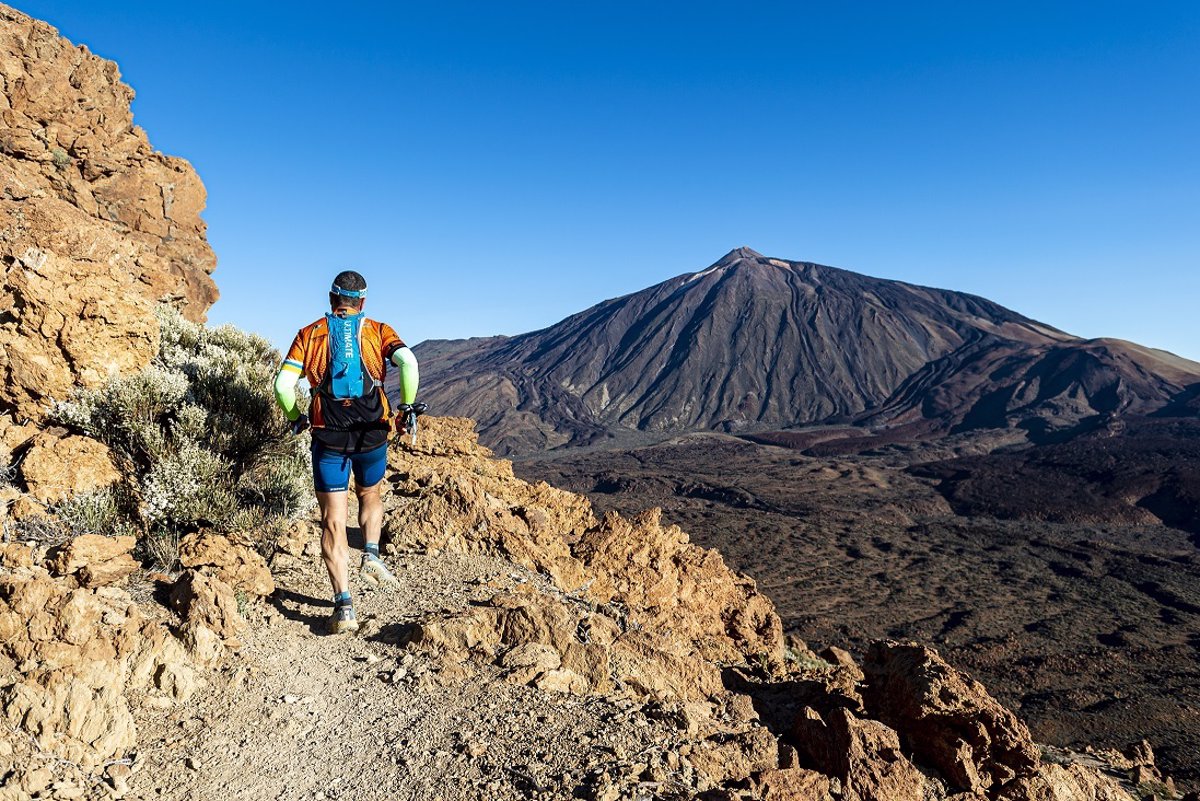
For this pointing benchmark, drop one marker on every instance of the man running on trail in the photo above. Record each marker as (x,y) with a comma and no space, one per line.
(345,357)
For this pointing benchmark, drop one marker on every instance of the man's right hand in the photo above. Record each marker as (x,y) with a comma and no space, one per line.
(400,423)
(299,425)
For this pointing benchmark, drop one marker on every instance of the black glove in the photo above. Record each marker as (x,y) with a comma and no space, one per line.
(299,425)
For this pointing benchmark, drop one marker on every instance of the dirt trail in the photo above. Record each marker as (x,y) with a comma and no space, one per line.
(302,715)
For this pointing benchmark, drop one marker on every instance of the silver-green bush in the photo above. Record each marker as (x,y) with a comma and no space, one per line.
(200,439)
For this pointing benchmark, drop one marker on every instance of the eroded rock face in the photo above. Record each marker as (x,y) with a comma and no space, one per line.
(947,719)
(55,468)
(70,656)
(212,623)
(680,587)
(95,226)
(864,754)
(450,494)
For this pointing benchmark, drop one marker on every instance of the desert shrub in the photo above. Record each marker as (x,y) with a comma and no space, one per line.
(103,511)
(44,530)
(199,436)
(160,549)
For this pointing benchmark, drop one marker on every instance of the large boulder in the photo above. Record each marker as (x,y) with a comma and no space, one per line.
(95,226)
(947,719)
(54,469)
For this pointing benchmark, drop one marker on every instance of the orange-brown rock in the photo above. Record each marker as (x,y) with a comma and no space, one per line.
(550,643)
(735,756)
(791,784)
(15,555)
(464,501)
(95,559)
(95,226)
(865,755)
(239,566)
(296,537)
(54,469)
(211,620)
(668,584)
(13,435)
(947,719)
(1064,783)
(72,655)
(448,493)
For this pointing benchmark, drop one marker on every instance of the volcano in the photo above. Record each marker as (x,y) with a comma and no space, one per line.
(756,344)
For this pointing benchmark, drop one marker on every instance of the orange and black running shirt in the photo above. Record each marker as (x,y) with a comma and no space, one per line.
(358,424)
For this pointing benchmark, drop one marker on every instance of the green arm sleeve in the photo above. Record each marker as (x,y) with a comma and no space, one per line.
(285,392)
(409,374)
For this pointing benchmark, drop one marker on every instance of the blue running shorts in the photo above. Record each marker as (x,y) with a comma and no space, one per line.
(331,469)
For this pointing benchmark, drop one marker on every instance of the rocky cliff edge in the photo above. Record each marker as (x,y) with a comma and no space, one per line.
(96,227)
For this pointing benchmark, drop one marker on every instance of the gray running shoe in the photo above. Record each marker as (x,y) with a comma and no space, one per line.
(375,573)
(343,620)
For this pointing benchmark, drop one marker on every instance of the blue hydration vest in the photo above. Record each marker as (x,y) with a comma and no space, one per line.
(346,369)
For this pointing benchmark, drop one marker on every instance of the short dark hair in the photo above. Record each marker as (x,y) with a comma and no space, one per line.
(348,279)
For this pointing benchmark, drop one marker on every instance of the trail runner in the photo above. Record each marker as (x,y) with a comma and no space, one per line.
(345,357)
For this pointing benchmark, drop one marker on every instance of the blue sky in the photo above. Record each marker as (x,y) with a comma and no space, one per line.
(493,167)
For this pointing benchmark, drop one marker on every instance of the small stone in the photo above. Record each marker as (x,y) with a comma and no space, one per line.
(191,763)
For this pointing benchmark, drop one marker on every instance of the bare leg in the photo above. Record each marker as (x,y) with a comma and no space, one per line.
(370,512)
(334,549)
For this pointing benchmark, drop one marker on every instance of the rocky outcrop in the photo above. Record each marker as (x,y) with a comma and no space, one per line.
(239,566)
(71,656)
(450,494)
(211,623)
(660,612)
(864,755)
(55,468)
(96,227)
(947,719)
(669,584)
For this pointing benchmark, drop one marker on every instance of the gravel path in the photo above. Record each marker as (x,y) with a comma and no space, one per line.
(301,715)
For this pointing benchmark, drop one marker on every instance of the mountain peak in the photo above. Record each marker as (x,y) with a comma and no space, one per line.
(738,254)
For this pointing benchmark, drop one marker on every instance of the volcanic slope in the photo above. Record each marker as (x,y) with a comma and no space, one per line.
(752,344)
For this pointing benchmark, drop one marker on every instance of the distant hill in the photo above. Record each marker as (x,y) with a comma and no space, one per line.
(757,344)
